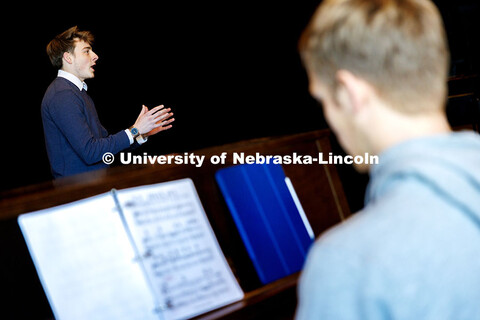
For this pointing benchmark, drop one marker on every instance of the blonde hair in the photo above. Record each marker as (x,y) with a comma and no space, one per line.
(398,46)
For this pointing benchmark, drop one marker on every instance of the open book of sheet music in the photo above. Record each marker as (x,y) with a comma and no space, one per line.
(141,253)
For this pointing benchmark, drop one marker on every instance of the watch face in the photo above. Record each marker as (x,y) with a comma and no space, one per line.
(134,131)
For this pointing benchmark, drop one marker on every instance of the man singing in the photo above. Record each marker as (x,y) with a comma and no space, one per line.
(75,139)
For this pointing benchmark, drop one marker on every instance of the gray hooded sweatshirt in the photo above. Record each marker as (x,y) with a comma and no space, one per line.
(413,252)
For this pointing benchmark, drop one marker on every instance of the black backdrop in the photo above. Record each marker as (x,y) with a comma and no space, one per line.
(229,71)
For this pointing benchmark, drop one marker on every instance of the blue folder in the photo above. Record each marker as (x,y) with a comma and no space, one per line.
(272,226)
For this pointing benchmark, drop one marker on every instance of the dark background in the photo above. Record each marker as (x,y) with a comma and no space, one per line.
(229,71)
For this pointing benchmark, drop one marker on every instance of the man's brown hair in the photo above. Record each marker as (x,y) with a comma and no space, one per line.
(398,46)
(65,42)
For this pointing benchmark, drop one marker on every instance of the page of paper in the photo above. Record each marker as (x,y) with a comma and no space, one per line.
(86,262)
(180,253)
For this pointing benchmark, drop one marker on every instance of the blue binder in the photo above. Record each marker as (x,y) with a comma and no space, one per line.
(268,216)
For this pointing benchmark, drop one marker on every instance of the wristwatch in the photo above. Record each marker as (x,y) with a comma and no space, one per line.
(134,131)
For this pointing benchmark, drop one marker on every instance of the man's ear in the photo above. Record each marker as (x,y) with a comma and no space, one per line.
(67,56)
(353,90)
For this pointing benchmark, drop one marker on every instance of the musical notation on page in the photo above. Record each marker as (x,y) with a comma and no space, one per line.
(178,248)
(142,253)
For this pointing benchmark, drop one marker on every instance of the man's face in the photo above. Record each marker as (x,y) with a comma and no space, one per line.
(342,117)
(83,60)
(337,113)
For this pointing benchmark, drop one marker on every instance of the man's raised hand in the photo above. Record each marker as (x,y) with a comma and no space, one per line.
(150,122)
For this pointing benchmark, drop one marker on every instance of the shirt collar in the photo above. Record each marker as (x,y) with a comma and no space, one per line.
(73,79)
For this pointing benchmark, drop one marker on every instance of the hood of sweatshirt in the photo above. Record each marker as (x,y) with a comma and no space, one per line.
(449,164)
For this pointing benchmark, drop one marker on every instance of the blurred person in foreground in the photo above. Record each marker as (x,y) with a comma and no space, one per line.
(380,69)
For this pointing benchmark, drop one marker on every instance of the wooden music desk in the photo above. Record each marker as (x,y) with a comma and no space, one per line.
(317,186)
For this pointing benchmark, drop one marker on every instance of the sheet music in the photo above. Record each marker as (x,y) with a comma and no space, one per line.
(86,262)
(184,262)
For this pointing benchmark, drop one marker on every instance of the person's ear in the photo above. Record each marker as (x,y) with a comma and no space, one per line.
(352,91)
(67,56)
